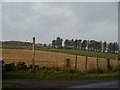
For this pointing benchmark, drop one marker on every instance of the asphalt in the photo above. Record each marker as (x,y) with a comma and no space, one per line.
(108,84)
(65,84)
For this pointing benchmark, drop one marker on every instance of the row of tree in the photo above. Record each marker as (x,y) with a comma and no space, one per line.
(16,43)
(90,45)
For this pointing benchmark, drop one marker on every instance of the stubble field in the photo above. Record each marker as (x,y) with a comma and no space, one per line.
(55,59)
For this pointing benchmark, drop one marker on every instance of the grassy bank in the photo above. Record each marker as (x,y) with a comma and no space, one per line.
(7,85)
(53,74)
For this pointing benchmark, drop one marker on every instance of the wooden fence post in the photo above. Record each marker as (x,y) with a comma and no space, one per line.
(109,68)
(33,60)
(86,62)
(97,64)
(76,62)
(68,63)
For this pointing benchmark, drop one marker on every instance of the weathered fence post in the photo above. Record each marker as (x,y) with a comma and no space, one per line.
(68,63)
(97,64)
(76,62)
(109,68)
(33,60)
(86,62)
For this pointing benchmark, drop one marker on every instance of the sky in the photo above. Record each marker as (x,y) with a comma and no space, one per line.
(68,20)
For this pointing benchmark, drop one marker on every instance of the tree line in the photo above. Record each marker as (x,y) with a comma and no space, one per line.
(90,45)
(77,44)
(16,43)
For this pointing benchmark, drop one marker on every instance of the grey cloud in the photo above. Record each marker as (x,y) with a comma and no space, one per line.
(46,21)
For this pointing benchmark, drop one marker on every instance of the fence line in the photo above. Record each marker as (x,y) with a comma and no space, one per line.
(83,63)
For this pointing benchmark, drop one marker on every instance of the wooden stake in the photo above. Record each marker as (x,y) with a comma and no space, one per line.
(86,63)
(76,63)
(68,63)
(97,64)
(33,60)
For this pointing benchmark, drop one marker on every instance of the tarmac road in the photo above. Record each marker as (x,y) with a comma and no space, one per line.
(65,84)
(108,84)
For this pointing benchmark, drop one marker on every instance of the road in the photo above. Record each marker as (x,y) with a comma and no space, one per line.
(65,84)
(107,84)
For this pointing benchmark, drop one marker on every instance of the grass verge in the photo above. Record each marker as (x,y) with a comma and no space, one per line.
(7,85)
(51,74)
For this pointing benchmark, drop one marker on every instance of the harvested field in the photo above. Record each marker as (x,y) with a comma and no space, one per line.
(45,58)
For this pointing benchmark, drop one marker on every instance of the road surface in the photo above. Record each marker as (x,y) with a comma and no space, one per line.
(64,84)
(107,84)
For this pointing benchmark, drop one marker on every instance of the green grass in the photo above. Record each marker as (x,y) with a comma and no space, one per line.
(68,51)
(83,53)
(52,74)
(7,85)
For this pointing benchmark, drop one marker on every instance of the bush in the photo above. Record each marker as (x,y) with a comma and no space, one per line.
(21,66)
(17,67)
(30,66)
(36,67)
(8,67)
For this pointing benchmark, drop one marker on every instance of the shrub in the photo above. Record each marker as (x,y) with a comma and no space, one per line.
(21,66)
(8,67)
(30,66)
(36,67)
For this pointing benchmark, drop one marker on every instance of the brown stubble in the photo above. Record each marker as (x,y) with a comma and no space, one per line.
(45,58)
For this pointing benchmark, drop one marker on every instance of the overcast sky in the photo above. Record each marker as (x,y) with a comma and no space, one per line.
(46,21)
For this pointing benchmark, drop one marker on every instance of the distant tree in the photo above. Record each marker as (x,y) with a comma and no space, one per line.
(110,47)
(59,42)
(69,44)
(104,46)
(44,45)
(66,43)
(88,45)
(96,45)
(91,45)
(79,44)
(116,47)
(53,43)
(84,45)
(100,46)
(76,44)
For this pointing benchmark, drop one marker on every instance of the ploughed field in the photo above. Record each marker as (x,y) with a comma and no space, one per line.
(55,59)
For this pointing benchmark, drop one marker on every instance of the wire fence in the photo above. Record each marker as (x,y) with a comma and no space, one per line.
(83,63)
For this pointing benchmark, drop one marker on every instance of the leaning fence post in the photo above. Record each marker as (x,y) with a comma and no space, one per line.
(109,68)
(76,62)
(86,62)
